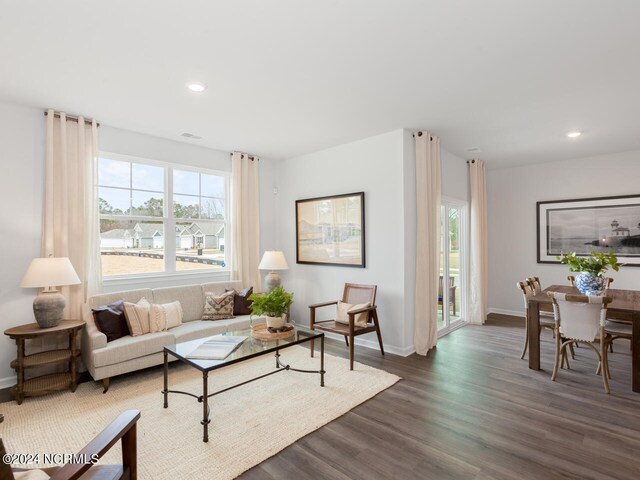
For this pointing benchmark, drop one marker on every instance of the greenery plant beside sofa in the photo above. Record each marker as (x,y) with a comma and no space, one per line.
(273,304)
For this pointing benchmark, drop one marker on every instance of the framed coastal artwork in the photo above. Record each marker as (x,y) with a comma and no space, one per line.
(330,230)
(590,224)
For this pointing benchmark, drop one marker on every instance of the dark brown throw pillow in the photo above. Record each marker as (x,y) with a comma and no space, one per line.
(241,302)
(111,321)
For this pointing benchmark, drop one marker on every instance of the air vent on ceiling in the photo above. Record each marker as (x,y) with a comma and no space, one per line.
(190,135)
(473,149)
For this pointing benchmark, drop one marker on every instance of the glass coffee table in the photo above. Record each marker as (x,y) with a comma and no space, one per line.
(250,348)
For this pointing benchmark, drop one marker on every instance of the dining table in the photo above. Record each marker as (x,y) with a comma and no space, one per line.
(625,305)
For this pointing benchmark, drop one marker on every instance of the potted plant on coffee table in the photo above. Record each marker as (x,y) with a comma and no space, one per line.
(273,305)
(590,280)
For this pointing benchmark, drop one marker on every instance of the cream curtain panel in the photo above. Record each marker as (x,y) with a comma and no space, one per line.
(428,187)
(245,220)
(70,220)
(479,270)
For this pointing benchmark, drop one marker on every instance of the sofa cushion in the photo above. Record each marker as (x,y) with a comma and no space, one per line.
(190,297)
(127,348)
(137,315)
(197,329)
(220,287)
(111,321)
(163,316)
(241,302)
(131,296)
(218,307)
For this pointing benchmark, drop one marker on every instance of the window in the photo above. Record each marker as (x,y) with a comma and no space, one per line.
(452,284)
(160,218)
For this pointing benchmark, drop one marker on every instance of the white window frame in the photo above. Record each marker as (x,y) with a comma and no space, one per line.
(169,222)
(463,206)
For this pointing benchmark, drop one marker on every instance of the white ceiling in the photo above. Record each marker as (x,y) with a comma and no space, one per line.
(288,77)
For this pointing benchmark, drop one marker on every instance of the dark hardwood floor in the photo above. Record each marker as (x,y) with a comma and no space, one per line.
(473,410)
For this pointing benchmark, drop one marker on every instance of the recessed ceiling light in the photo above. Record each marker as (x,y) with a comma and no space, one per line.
(196,87)
(574,134)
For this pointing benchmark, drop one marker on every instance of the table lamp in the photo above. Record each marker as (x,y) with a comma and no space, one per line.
(272,260)
(49,273)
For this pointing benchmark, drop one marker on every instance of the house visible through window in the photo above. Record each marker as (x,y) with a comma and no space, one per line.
(141,234)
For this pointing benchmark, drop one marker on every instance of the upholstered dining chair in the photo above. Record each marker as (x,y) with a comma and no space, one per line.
(579,318)
(352,294)
(546,318)
(537,287)
(122,428)
(618,327)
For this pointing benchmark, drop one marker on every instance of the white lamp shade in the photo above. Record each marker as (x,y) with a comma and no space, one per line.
(50,272)
(273,260)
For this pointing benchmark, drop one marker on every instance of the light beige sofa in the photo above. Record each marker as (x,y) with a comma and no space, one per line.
(105,360)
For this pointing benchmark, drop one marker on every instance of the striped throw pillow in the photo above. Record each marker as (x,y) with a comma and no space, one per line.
(163,316)
(137,315)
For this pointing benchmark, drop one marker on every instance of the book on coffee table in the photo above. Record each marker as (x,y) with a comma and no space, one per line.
(217,348)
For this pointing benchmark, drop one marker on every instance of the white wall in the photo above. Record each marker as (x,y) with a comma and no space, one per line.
(21,185)
(512,197)
(384,168)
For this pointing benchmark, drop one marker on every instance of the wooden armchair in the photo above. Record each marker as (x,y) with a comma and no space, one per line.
(354,294)
(122,428)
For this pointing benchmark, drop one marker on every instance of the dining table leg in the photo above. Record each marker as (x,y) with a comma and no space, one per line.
(533,312)
(635,353)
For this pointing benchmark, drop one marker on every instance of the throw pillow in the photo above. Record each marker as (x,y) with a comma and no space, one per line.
(163,316)
(360,319)
(218,307)
(111,321)
(241,302)
(137,315)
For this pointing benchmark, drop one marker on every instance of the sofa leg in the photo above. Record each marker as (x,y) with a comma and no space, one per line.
(105,384)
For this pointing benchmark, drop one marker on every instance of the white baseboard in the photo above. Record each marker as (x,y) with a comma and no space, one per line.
(506,312)
(7,382)
(403,352)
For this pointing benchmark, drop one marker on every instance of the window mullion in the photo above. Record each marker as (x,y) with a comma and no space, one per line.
(170,224)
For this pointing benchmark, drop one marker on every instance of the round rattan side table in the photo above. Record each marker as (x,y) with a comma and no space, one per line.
(52,382)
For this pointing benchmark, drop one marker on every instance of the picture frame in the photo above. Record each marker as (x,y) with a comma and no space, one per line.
(331,230)
(583,225)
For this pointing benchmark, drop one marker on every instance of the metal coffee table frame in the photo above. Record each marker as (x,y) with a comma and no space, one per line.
(301,335)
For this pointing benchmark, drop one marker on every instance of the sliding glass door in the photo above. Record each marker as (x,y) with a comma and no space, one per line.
(453,265)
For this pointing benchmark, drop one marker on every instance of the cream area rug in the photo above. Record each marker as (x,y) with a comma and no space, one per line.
(248,424)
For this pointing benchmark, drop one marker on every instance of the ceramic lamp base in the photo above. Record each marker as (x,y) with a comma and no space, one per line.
(48,307)
(271,281)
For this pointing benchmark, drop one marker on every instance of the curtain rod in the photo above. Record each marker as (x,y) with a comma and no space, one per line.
(71,118)
(250,157)
(420,134)
(471,161)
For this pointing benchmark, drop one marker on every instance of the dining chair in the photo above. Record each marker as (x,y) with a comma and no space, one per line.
(581,319)
(546,318)
(619,327)
(353,294)
(452,293)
